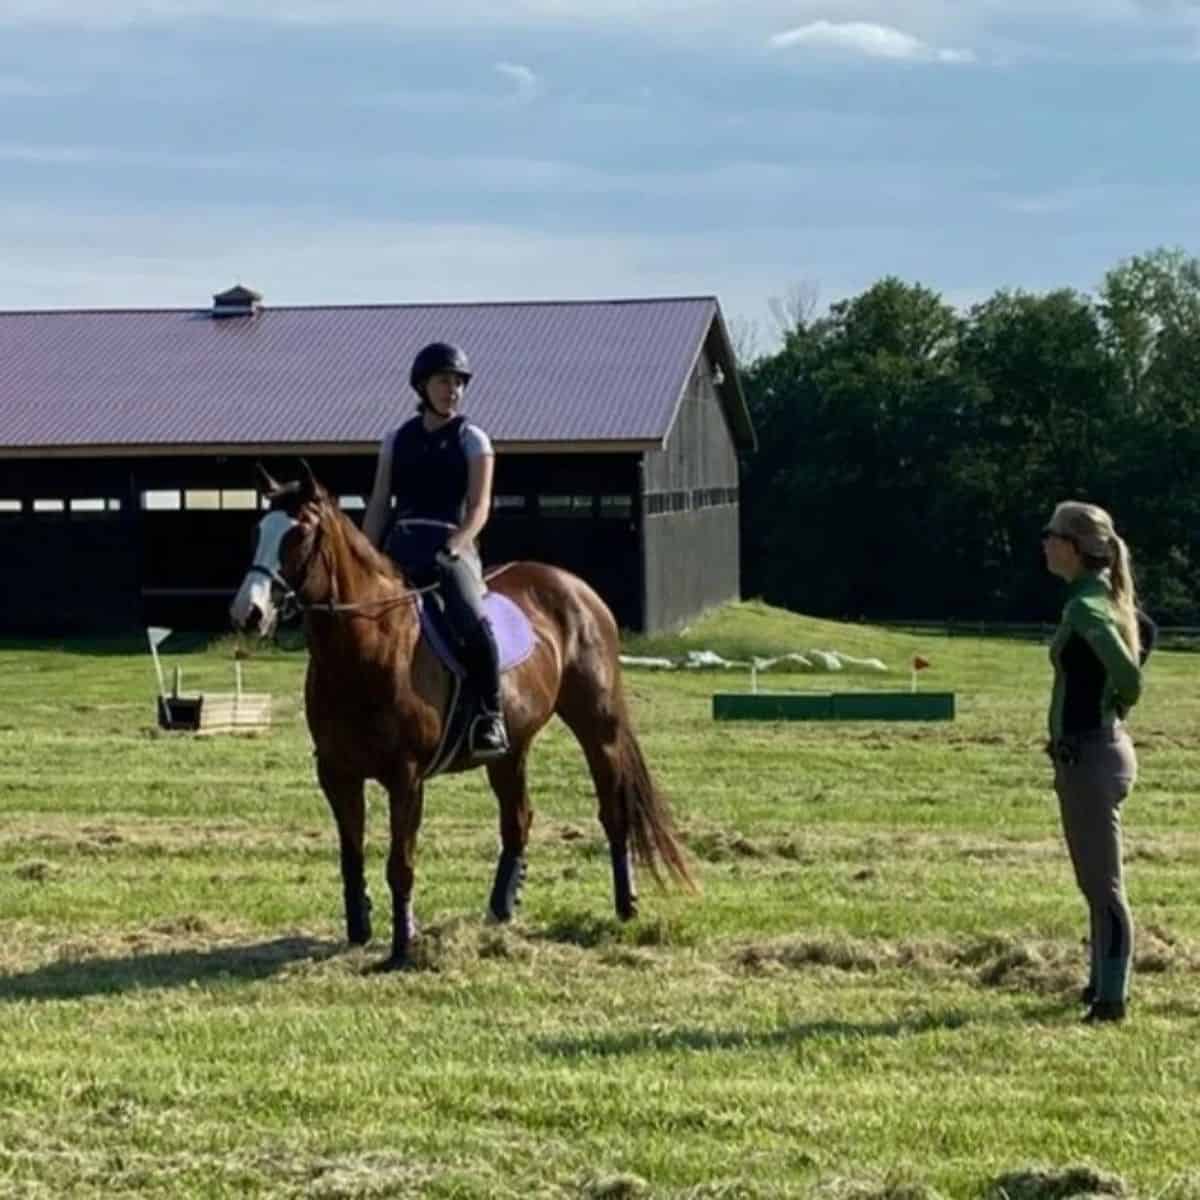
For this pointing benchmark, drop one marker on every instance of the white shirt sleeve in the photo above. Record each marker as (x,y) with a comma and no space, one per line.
(476,443)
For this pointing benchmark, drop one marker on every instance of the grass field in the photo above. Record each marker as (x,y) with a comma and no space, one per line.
(874,997)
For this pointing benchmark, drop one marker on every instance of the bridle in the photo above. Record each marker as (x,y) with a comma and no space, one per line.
(291,604)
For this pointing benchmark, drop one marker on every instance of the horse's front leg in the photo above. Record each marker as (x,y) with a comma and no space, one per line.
(507,777)
(407,798)
(345,794)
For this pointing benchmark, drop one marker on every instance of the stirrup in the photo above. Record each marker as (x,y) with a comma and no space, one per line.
(488,737)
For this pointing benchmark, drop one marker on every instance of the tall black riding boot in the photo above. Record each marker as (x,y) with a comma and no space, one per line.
(488,737)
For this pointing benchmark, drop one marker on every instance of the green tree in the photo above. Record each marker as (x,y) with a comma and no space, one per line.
(1151,310)
(854,414)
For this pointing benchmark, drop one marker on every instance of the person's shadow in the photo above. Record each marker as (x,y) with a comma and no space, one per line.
(101,976)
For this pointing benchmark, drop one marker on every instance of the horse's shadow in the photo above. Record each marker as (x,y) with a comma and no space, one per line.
(99,976)
(658,1041)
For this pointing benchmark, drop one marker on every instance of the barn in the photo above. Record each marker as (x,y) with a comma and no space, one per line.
(128,440)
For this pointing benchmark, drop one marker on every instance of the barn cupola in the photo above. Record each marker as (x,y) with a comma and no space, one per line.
(238,301)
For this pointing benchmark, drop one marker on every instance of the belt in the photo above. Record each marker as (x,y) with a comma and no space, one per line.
(1068,748)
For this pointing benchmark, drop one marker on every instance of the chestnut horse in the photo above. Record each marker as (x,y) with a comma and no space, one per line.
(375,695)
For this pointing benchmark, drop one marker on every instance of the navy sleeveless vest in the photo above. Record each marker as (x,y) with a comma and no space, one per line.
(430,472)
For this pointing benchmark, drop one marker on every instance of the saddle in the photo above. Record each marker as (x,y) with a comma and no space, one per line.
(515,641)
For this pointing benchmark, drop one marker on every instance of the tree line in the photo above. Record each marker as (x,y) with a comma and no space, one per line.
(909,454)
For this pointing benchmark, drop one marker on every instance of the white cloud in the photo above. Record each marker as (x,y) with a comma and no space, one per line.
(868,40)
(526,81)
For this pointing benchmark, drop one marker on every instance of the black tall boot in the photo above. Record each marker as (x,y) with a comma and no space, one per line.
(488,737)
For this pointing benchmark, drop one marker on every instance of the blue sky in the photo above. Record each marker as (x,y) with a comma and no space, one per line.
(345,151)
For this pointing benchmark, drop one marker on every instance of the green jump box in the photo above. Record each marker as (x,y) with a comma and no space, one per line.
(833,706)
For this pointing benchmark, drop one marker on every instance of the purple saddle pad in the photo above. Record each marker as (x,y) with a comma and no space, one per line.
(514,634)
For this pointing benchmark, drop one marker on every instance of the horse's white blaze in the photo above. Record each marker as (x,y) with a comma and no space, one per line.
(256,589)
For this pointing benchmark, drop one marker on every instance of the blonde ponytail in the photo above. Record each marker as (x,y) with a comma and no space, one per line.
(1124,595)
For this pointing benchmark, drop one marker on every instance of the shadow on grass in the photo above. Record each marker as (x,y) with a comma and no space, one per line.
(657,1041)
(174,969)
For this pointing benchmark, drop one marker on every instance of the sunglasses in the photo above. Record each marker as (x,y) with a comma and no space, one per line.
(1048,532)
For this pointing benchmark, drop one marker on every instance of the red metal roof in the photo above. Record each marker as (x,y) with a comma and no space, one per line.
(589,371)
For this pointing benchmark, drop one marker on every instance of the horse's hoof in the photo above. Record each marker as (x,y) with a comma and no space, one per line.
(492,917)
(358,937)
(627,912)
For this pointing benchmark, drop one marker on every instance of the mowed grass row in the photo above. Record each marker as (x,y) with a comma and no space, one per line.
(875,994)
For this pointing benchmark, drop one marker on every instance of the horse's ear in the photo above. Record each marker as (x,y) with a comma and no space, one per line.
(310,489)
(269,485)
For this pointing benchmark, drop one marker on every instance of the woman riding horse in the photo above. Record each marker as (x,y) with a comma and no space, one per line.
(375,697)
(437,468)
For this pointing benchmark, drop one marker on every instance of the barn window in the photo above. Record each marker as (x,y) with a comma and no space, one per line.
(509,503)
(565,506)
(49,506)
(351,503)
(202,500)
(10,508)
(239,499)
(616,506)
(161,501)
(91,507)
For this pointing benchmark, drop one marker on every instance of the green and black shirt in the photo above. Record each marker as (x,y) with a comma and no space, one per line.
(1097,679)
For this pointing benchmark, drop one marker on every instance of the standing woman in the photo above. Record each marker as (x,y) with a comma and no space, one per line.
(1097,653)
(431,499)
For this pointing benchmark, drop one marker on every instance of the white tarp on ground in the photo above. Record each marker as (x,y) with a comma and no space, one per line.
(809,660)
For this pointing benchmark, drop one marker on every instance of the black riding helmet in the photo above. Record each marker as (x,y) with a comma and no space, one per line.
(438,356)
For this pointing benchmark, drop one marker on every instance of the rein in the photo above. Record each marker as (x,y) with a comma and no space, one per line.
(292,604)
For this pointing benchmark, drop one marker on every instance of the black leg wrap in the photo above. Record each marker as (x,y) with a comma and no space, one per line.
(506,891)
(358,918)
(624,887)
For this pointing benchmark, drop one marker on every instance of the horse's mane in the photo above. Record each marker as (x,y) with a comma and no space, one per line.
(359,546)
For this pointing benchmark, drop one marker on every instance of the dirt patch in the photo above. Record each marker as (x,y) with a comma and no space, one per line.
(1063,1184)
(615,1187)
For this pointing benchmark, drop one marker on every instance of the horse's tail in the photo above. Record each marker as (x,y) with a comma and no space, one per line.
(652,835)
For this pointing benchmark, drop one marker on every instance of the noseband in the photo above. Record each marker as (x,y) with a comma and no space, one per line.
(289,602)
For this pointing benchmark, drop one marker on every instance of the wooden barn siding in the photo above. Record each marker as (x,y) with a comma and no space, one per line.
(691,558)
(700,452)
(691,565)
